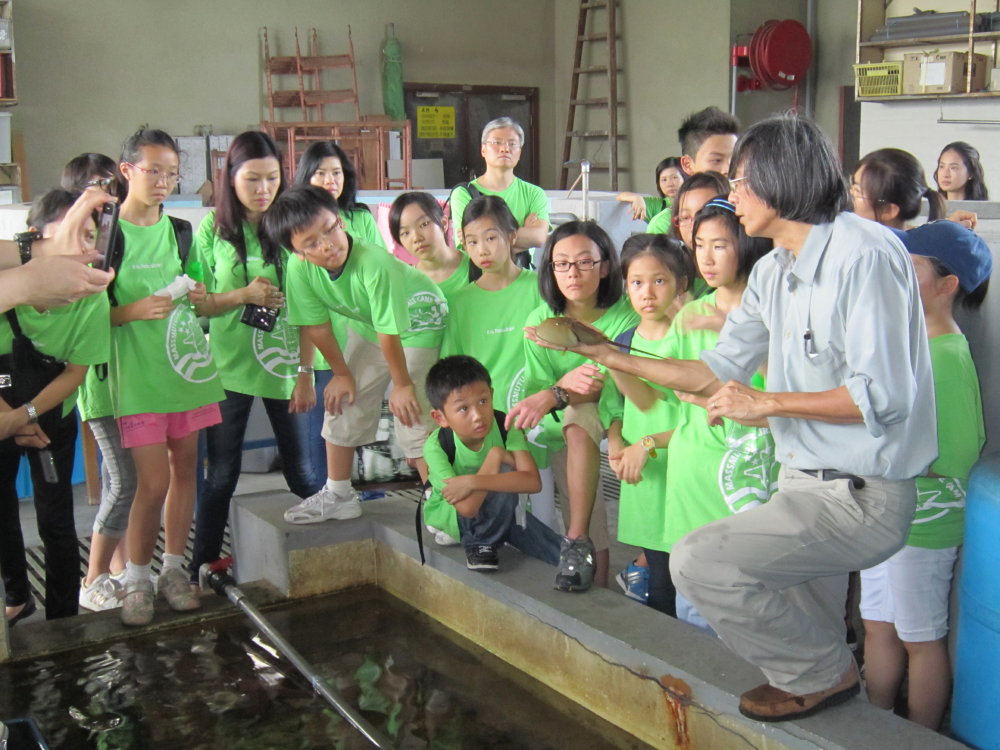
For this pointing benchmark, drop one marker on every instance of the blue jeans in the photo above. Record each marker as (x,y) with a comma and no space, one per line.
(317,445)
(495,523)
(224,445)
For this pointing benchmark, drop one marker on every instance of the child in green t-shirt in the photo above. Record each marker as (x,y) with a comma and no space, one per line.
(477,469)
(669,178)
(397,319)
(714,471)
(43,429)
(656,270)
(578,278)
(326,165)
(417,222)
(164,384)
(904,600)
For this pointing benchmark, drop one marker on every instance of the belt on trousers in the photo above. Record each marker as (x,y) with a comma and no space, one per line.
(828,475)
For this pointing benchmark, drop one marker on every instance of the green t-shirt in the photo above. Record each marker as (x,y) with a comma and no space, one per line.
(642,506)
(438,512)
(250,360)
(376,291)
(361,225)
(543,367)
(489,326)
(458,280)
(712,471)
(158,366)
(660,223)
(522,198)
(79,334)
(94,396)
(940,515)
(656,205)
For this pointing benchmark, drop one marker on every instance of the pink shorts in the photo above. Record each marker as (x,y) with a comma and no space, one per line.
(149,429)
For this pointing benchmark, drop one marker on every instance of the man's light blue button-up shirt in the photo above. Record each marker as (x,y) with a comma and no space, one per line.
(845,312)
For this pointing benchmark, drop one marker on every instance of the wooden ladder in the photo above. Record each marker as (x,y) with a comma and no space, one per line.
(308,69)
(609,37)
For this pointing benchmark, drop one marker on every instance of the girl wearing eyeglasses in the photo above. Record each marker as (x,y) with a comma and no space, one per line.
(164,383)
(578,277)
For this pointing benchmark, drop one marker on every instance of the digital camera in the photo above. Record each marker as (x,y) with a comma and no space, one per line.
(259,316)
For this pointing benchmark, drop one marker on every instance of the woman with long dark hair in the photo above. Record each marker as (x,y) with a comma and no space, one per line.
(256,350)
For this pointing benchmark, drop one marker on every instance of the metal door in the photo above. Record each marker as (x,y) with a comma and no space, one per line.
(448,122)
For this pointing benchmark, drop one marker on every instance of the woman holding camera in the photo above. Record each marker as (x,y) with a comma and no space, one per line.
(255,349)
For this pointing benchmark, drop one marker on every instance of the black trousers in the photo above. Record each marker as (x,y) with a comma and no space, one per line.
(56,525)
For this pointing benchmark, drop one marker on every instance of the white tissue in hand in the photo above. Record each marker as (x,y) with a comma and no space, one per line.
(177,288)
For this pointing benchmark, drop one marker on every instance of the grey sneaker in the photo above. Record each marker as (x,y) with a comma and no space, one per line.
(175,586)
(576,564)
(137,604)
(323,506)
(104,593)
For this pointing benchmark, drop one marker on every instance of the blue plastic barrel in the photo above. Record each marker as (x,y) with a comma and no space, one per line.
(975,717)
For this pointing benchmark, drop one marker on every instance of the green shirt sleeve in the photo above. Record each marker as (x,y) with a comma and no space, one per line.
(660,224)
(460,198)
(437,511)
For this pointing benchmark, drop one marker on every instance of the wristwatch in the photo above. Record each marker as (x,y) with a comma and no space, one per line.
(32,412)
(306,370)
(649,445)
(562,397)
(24,242)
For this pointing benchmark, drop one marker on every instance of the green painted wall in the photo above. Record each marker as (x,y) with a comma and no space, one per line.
(90,72)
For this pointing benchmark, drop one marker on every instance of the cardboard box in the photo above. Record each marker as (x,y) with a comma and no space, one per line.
(942,72)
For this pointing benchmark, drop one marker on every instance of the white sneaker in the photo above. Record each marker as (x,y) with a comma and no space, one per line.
(103,594)
(323,506)
(442,538)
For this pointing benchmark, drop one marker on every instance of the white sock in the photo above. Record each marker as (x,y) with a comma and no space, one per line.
(172,561)
(136,573)
(339,486)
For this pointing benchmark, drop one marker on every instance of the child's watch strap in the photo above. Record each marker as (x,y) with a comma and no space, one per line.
(649,445)
(562,397)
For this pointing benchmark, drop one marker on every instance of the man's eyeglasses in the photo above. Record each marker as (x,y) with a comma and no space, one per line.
(511,144)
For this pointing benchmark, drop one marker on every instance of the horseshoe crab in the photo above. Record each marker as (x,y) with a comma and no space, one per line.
(568,332)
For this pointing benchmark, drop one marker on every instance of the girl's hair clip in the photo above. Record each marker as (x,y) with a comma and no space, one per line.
(721,203)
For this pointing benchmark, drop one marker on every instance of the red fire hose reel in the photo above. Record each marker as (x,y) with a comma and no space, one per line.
(779,54)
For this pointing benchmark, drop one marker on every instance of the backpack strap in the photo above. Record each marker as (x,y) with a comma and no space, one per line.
(183,236)
(624,339)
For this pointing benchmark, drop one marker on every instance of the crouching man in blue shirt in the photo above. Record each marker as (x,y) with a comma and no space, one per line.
(834,311)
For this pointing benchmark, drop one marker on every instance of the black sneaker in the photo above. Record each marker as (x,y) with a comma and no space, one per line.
(482,557)
(576,564)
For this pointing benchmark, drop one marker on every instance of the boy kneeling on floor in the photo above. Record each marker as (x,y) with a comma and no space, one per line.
(477,469)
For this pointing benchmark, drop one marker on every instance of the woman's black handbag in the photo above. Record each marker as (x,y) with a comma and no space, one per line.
(24,373)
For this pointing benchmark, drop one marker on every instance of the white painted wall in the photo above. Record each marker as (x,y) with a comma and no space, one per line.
(913,126)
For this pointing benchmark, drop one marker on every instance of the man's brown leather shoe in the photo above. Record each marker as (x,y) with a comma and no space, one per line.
(767,703)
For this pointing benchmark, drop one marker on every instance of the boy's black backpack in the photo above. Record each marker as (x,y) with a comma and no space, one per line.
(624,339)
(183,234)
(446,439)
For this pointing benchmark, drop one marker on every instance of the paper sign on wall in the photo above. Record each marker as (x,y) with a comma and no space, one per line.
(932,73)
(435,122)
